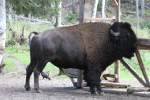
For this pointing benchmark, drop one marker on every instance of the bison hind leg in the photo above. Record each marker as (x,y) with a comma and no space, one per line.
(38,69)
(29,71)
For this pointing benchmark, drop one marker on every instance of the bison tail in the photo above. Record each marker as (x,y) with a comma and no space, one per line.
(31,35)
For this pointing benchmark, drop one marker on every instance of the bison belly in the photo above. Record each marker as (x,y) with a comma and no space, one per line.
(64,50)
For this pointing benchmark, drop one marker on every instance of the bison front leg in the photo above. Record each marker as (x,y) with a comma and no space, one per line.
(93,79)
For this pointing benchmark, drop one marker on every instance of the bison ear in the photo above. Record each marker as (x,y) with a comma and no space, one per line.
(114,33)
(114,29)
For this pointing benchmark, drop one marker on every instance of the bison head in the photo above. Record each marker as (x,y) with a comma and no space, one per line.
(123,38)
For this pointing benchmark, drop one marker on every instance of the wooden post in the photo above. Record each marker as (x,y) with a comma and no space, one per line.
(133,72)
(116,4)
(142,67)
(119,11)
(116,71)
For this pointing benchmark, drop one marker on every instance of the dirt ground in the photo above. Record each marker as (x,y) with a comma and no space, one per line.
(12,88)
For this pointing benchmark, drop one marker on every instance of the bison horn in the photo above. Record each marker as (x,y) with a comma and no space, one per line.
(114,33)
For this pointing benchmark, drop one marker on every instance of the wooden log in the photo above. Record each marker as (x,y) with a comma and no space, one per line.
(137,89)
(99,19)
(114,91)
(143,44)
(124,92)
(114,85)
(109,77)
(133,72)
(142,67)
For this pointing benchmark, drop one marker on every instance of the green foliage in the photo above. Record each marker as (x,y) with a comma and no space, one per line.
(10,43)
(72,17)
(145,24)
(37,8)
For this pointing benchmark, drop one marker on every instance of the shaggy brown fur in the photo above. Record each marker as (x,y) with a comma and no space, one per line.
(89,46)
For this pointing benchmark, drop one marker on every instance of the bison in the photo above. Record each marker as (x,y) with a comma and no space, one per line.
(91,47)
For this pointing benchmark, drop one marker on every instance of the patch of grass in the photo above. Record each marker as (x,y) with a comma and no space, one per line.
(9,65)
(52,69)
(22,54)
(19,52)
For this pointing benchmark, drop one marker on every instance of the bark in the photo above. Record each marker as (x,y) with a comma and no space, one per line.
(103,9)
(137,12)
(141,8)
(94,10)
(58,17)
(81,20)
(81,15)
(88,9)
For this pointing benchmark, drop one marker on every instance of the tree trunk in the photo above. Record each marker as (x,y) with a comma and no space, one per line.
(88,7)
(58,17)
(103,9)
(81,20)
(94,10)
(141,8)
(2,29)
(81,15)
(73,6)
(137,12)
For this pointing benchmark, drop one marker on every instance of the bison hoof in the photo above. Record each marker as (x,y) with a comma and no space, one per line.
(27,88)
(93,93)
(96,93)
(99,92)
(75,84)
(37,91)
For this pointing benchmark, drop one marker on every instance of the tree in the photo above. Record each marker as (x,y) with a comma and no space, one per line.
(37,8)
(137,12)
(94,10)
(103,9)
(141,8)
(58,16)
(2,29)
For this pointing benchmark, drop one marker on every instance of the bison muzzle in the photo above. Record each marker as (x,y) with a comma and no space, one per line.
(91,47)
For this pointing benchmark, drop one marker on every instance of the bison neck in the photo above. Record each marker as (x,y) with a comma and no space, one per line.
(97,44)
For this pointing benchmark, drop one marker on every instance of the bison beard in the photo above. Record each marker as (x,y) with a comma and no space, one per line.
(89,46)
